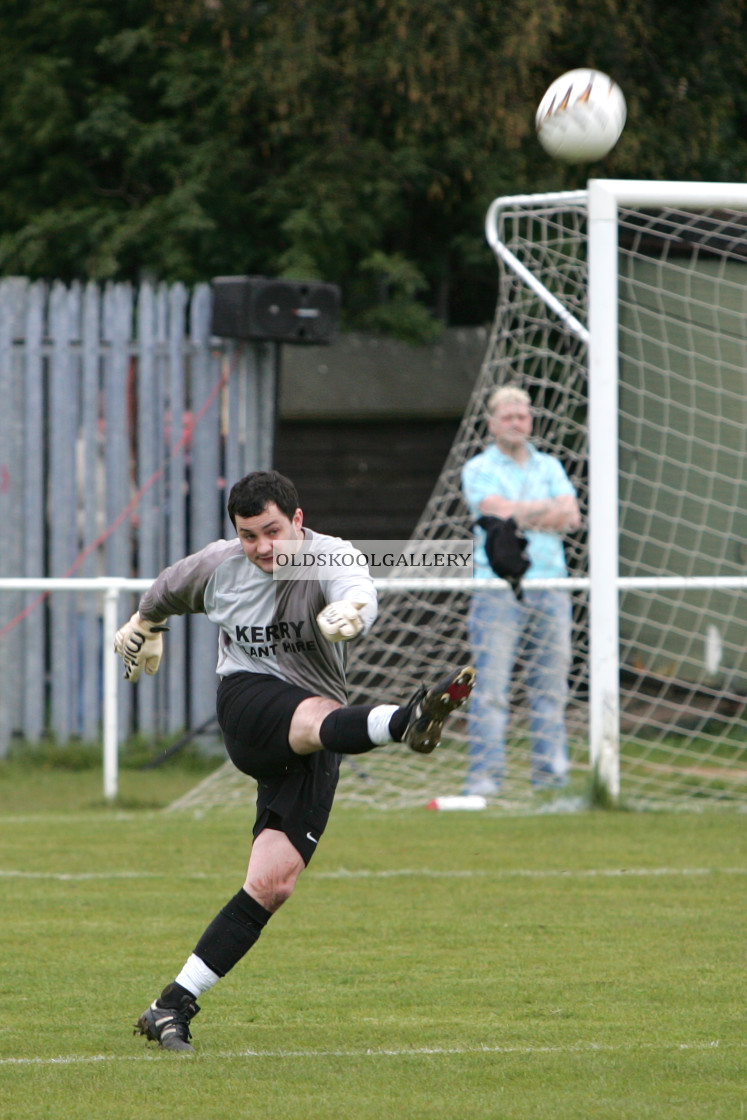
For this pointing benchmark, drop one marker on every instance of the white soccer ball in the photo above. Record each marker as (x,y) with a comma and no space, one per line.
(581,116)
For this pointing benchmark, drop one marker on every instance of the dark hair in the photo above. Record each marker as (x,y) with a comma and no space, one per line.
(252,493)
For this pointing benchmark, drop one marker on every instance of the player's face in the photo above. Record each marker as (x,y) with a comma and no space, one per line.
(511,425)
(258,534)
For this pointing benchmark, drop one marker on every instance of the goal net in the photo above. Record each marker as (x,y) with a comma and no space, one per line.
(658,686)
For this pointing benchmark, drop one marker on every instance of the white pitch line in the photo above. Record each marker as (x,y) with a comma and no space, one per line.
(403,1052)
(83,876)
(529,873)
(343,873)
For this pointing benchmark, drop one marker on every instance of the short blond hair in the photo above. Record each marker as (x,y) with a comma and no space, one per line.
(508,394)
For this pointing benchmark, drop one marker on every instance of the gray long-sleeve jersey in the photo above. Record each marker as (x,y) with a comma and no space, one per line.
(268,625)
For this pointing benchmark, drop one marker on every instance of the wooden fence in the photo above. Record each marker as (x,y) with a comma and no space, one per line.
(121,419)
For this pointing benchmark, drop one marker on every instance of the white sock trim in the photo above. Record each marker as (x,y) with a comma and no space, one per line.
(196,977)
(378,723)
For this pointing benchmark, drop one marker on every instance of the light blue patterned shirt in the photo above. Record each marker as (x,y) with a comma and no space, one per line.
(541,477)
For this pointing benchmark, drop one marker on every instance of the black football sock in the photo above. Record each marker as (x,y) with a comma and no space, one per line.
(345,730)
(398,722)
(174,995)
(232,933)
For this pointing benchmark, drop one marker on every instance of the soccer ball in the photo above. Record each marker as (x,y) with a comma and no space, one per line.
(581,116)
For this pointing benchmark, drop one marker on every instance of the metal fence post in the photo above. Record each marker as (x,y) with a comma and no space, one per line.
(110,716)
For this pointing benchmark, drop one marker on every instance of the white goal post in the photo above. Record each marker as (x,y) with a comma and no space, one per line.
(605,197)
(602,202)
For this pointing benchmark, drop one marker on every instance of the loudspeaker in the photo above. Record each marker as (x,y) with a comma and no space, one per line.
(253,307)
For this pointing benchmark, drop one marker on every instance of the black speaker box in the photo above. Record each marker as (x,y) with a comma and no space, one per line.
(254,307)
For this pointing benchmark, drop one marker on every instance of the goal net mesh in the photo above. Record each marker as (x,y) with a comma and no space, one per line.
(682,511)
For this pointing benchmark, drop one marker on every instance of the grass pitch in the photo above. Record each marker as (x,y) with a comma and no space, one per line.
(439,965)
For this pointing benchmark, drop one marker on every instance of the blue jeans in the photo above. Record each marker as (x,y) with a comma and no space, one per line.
(537,630)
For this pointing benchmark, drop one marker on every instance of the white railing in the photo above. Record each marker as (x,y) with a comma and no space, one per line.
(112,587)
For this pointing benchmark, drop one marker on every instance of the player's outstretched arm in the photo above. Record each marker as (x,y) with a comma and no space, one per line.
(340,621)
(140,645)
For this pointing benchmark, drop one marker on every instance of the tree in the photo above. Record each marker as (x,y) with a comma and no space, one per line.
(358,143)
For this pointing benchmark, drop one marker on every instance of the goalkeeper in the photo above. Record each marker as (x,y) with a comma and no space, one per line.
(281,704)
(513,481)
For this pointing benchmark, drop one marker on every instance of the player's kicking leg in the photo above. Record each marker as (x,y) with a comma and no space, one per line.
(362,727)
(419,724)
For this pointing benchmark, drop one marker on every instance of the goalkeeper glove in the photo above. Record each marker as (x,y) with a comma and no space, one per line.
(340,621)
(140,645)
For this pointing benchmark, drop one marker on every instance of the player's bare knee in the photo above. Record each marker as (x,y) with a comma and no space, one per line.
(271,891)
(303,734)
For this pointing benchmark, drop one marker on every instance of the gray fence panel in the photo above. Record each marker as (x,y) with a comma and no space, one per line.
(207,493)
(206,485)
(90,465)
(234,405)
(163,396)
(251,411)
(116,334)
(267,389)
(150,469)
(11,511)
(63,507)
(257,377)
(176,662)
(34,627)
(153,697)
(118,405)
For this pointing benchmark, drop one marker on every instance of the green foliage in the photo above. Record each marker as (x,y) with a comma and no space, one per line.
(184,140)
(394,309)
(135,753)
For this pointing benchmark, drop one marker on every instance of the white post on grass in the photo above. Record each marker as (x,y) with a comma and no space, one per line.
(604,644)
(111,669)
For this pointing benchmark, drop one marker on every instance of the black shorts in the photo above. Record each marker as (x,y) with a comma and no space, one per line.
(294,792)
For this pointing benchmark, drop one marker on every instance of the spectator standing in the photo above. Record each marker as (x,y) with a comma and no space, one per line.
(513,479)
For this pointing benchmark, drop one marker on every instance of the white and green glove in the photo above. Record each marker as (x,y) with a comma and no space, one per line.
(340,621)
(140,645)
